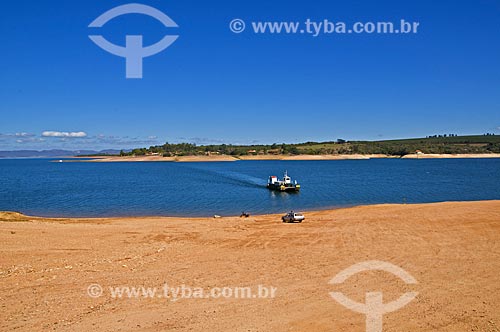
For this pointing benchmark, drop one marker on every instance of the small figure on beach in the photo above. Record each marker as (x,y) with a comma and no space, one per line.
(244,214)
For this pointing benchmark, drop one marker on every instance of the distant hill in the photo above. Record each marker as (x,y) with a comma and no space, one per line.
(54,153)
(437,144)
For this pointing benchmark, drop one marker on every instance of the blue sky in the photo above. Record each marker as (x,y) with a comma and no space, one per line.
(214,86)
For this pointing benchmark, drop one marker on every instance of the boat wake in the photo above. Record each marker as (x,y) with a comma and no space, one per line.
(234,178)
(243,179)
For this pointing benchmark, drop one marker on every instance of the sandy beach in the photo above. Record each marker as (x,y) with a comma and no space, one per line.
(152,159)
(226,158)
(450,156)
(275,157)
(451,249)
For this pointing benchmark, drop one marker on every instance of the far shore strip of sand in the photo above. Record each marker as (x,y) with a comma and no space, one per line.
(216,158)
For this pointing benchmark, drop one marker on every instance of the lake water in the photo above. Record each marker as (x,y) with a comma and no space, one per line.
(41,187)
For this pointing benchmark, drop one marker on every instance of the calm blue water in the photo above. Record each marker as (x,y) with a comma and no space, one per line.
(41,187)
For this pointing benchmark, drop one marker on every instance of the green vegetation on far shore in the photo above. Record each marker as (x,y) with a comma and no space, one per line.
(438,144)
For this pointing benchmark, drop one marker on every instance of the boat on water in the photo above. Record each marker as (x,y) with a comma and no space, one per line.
(283,185)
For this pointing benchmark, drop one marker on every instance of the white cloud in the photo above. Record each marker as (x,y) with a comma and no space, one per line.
(23,134)
(29,139)
(77,134)
(72,140)
(201,140)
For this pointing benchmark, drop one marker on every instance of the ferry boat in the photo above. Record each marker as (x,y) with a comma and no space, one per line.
(283,185)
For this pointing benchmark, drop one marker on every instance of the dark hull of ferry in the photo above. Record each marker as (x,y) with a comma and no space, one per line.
(289,188)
